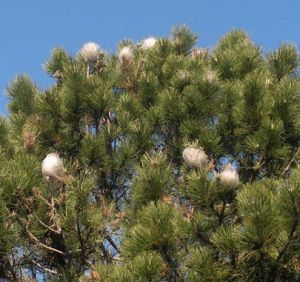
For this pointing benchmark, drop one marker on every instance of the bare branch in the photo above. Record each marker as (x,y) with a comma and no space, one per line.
(41,222)
(42,244)
(45,225)
(112,243)
(43,267)
(290,162)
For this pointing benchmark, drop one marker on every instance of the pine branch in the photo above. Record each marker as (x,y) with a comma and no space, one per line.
(106,255)
(43,267)
(221,215)
(46,226)
(291,235)
(41,222)
(12,271)
(293,157)
(109,239)
(32,237)
(80,236)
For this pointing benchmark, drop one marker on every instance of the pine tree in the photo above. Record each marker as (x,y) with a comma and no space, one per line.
(162,162)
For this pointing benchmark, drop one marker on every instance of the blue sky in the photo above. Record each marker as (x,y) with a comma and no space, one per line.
(30,29)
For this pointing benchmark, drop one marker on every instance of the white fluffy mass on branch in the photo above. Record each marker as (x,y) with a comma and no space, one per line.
(210,76)
(90,51)
(229,175)
(195,157)
(52,166)
(148,43)
(125,55)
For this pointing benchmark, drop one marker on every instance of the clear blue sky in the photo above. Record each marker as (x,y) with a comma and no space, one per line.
(30,29)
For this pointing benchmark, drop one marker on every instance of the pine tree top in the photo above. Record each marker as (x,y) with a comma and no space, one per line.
(172,162)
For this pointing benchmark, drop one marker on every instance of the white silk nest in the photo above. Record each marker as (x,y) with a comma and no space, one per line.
(199,53)
(210,76)
(229,176)
(90,52)
(52,166)
(148,43)
(183,75)
(195,157)
(125,55)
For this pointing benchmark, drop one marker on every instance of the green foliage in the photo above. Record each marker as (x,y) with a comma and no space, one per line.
(22,94)
(147,266)
(55,65)
(261,230)
(287,93)
(235,55)
(5,136)
(183,39)
(18,176)
(284,61)
(154,230)
(8,240)
(152,180)
(202,266)
(200,189)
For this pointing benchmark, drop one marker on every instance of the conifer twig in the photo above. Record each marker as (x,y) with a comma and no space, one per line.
(290,162)
(43,267)
(221,215)
(292,231)
(32,237)
(112,243)
(117,259)
(41,222)
(45,225)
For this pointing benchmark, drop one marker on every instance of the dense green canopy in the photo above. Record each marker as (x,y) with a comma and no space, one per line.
(128,205)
